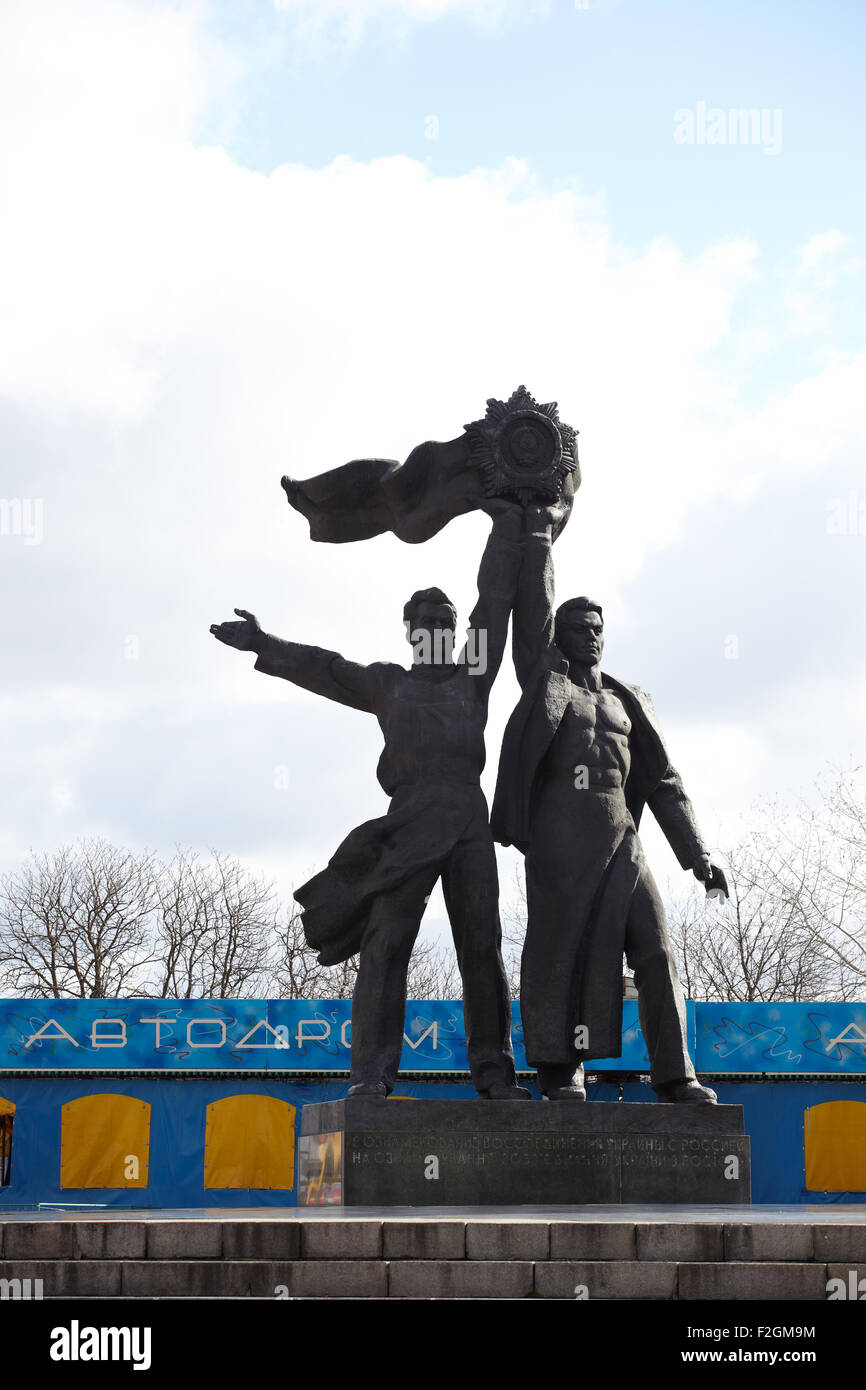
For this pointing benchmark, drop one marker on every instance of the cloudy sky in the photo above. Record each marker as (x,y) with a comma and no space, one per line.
(243,239)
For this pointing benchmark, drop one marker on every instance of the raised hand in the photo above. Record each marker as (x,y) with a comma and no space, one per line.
(544,519)
(246,636)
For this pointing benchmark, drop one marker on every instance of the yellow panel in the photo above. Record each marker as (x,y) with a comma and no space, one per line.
(7,1107)
(250,1142)
(104,1139)
(835,1139)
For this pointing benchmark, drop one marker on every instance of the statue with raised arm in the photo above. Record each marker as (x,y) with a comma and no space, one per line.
(371,897)
(581,757)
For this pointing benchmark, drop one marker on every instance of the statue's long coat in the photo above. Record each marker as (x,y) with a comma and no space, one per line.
(651,781)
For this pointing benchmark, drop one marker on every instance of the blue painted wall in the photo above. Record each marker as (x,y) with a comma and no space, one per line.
(773,1118)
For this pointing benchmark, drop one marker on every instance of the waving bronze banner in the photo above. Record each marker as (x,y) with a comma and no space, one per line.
(520,449)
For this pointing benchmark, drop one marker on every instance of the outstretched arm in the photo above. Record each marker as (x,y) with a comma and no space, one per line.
(323,672)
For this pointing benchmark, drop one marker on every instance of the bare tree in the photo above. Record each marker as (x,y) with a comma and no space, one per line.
(215,928)
(297,974)
(757,946)
(794,927)
(433,972)
(837,906)
(77,922)
(513,915)
(93,920)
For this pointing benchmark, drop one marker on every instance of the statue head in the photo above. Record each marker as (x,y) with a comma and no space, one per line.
(430,619)
(579,631)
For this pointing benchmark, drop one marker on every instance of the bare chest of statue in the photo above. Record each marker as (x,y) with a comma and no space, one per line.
(590,747)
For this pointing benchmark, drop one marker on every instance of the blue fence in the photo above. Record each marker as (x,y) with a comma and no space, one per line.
(826,1039)
(279,1035)
(178,1058)
(301,1036)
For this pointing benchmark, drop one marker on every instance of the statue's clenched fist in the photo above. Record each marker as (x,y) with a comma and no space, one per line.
(545,520)
(712,877)
(246,635)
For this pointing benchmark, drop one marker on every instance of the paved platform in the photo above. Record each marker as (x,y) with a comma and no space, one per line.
(755,1214)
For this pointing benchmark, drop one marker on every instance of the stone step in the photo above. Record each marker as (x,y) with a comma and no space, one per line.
(426,1239)
(664,1280)
(334,1256)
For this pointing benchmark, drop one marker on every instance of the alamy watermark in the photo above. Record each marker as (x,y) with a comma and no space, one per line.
(853,1288)
(736,125)
(435,647)
(846,516)
(77,1343)
(18,1289)
(23,517)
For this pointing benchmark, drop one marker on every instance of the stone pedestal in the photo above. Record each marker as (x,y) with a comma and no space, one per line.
(370,1152)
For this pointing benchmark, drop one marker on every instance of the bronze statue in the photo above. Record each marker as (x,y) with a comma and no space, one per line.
(371,897)
(581,757)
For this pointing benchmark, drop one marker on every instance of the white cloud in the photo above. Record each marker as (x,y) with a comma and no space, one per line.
(825,257)
(178,331)
(821,264)
(62,797)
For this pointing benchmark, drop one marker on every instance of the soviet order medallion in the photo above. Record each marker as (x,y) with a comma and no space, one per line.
(523,449)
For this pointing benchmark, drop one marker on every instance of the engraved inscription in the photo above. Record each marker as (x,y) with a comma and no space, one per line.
(574,1151)
(678,1150)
